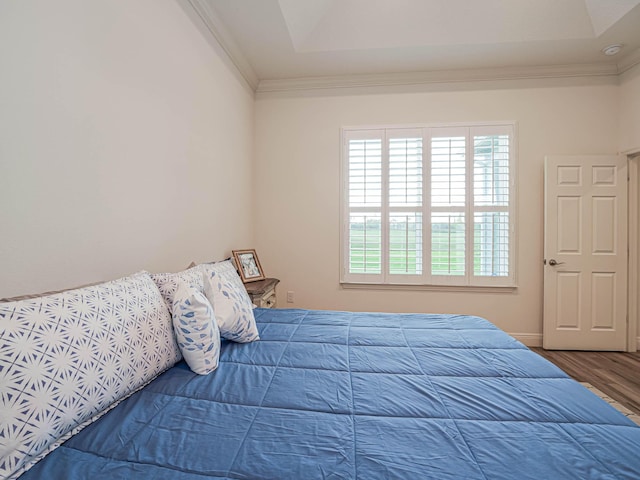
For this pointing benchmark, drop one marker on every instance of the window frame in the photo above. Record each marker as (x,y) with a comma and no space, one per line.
(426,279)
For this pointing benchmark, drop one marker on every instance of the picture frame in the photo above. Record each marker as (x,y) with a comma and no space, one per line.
(248,265)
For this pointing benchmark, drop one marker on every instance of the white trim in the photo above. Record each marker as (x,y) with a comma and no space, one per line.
(434,77)
(203,14)
(629,61)
(429,287)
(529,339)
(452,126)
(633,309)
(631,152)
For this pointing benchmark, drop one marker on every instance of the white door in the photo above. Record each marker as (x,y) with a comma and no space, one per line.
(585,252)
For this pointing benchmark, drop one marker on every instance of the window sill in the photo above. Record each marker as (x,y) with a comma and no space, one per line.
(436,288)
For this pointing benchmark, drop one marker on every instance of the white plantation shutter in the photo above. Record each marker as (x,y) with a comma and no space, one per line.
(448,232)
(405,205)
(448,171)
(365,173)
(405,172)
(365,243)
(364,206)
(492,205)
(448,205)
(429,205)
(405,243)
(491,247)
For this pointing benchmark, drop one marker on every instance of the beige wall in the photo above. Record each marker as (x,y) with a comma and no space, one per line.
(630,110)
(125,143)
(297,185)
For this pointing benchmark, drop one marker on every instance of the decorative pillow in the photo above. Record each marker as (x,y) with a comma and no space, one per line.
(68,358)
(231,303)
(168,282)
(196,329)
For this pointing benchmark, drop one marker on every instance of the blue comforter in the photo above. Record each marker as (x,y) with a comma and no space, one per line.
(335,395)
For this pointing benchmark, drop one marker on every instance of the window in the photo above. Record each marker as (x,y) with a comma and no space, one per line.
(429,205)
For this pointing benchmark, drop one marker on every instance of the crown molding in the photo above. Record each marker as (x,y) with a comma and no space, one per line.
(629,61)
(210,25)
(436,77)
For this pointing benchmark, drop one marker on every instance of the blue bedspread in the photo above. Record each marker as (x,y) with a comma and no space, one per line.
(335,395)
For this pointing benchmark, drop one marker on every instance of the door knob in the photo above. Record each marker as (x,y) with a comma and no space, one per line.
(553,263)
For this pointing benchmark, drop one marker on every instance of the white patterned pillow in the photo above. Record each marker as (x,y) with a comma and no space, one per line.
(168,282)
(69,357)
(231,303)
(196,329)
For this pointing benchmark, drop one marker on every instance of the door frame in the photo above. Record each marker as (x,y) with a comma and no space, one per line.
(633,283)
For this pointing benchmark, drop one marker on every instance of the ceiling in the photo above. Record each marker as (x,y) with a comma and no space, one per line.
(306,42)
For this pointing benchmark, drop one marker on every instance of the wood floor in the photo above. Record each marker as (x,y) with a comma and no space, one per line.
(613,373)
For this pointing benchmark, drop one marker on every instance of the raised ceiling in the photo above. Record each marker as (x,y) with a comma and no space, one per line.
(275,41)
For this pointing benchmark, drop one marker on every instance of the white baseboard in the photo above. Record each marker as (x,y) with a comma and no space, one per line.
(529,339)
(535,339)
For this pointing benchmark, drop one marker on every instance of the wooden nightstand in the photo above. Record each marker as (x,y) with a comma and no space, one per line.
(263,292)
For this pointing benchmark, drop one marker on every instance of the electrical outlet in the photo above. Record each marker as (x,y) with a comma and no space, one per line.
(290,298)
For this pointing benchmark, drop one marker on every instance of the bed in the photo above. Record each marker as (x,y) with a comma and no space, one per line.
(339,395)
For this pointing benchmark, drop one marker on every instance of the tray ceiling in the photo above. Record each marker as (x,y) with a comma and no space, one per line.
(276,40)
